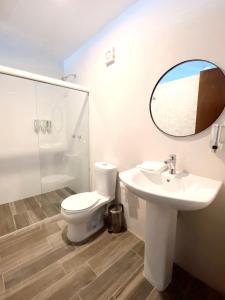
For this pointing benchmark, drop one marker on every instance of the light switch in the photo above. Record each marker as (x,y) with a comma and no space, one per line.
(110,56)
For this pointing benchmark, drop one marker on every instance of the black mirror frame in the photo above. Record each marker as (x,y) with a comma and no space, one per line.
(185,61)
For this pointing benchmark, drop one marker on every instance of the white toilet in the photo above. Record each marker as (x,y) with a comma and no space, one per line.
(84,212)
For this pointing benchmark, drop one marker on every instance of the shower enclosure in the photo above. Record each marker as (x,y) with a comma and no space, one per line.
(44,136)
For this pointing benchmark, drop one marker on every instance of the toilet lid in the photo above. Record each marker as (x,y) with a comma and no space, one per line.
(80,201)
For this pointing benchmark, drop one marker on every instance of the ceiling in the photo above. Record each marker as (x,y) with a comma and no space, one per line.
(58,27)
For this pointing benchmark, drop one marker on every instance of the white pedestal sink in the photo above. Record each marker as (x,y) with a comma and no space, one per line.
(165,194)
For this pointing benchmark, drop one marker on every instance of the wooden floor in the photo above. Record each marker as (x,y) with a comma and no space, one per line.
(37,263)
(22,213)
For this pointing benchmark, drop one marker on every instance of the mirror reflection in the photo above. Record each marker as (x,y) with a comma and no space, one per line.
(188,98)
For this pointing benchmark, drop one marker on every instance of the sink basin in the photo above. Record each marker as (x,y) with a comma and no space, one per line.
(165,194)
(182,191)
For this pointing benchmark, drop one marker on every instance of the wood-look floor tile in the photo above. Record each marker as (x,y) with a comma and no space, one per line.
(33,260)
(20,206)
(38,284)
(2,287)
(50,228)
(35,210)
(7,226)
(62,224)
(56,239)
(22,246)
(13,237)
(25,246)
(6,220)
(32,217)
(22,213)
(63,193)
(21,242)
(54,199)
(127,280)
(12,208)
(24,255)
(69,190)
(191,293)
(23,272)
(48,208)
(5,211)
(75,297)
(88,251)
(139,248)
(112,252)
(156,295)
(26,240)
(108,282)
(22,220)
(69,285)
(185,287)
(137,289)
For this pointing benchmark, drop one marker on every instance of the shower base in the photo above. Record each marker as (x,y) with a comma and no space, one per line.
(22,213)
(56,181)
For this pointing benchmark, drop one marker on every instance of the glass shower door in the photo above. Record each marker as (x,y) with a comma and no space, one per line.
(44,153)
(19,151)
(63,140)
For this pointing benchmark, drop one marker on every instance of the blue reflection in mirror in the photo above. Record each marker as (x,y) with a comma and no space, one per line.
(187,69)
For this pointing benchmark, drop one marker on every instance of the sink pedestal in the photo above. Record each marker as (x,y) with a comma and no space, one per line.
(165,194)
(160,235)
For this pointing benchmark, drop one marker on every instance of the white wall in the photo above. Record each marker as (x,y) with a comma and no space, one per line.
(174,105)
(149,38)
(18,54)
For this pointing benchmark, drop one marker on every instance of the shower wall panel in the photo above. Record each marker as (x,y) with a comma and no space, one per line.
(19,149)
(44,139)
(64,148)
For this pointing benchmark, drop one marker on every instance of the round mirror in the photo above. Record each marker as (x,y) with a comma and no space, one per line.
(188,98)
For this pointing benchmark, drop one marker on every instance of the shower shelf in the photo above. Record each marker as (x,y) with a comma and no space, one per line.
(71,155)
(57,181)
(54,147)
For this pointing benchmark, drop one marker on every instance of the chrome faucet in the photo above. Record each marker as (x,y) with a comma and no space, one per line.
(171,164)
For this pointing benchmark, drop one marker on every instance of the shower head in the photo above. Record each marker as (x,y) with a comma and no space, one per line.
(67,77)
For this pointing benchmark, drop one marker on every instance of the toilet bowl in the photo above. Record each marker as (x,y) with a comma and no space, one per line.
(84,212)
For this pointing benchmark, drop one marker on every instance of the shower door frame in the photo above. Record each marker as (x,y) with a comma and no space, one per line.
(44,79)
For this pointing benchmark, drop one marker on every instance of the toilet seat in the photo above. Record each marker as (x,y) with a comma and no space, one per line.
(80,202)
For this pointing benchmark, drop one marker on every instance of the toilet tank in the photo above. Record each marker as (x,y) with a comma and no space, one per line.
(105,178)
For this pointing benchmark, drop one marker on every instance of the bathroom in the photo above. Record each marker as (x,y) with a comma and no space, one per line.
(149,38)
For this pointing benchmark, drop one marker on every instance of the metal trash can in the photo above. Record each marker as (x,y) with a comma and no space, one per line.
(115,218)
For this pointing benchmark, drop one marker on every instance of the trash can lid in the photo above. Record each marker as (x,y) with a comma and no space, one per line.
(116,208)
